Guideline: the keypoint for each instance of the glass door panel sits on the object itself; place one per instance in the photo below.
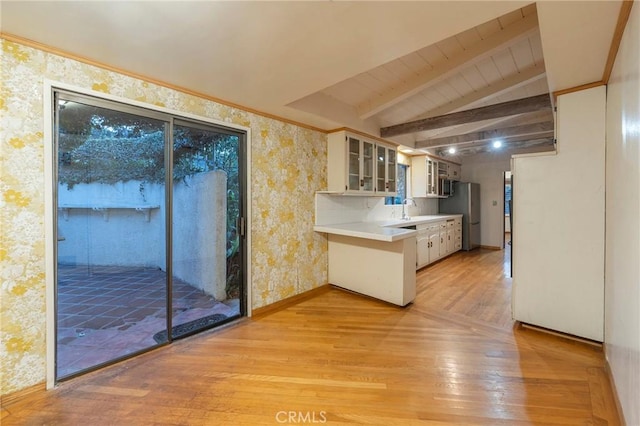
(391, 171)
(430, 177)
(111, 283)
(354, 164)
(367, 166)
(206, 236)
(381, 165)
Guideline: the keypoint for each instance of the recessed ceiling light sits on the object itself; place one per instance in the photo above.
(452, 150)
(497, 144)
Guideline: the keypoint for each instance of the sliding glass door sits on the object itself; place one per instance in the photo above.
(207, 202)
(148, 213)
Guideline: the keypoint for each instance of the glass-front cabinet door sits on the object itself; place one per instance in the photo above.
(381, 168)
(367, 166)
(386, 170)
(354, 164)
(359, 166)
(392, 171)
(431, 177)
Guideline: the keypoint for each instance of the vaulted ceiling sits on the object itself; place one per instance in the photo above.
(427, 75)
(498, 61)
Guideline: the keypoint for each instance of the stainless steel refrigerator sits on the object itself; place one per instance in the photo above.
(466, 201)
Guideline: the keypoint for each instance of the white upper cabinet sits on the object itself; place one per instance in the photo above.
(424, 176)
(361, 166)
(386, 170)
(447, 170)
(443, 170)
(454, 171)
(426, 172)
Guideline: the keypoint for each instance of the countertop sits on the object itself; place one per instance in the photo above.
(416, 220)
(387, 230)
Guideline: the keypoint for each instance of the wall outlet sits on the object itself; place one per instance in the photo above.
(495, 203)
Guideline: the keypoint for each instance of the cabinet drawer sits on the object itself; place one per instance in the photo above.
(457, 245)
(450, 224)
(458, 221)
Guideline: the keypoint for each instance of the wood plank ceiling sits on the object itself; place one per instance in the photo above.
(496, 62)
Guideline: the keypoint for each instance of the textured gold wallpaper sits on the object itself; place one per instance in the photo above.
(288, 165)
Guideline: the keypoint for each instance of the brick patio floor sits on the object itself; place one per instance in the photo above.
(108, 312)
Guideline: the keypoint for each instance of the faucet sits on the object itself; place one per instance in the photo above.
(407, 201)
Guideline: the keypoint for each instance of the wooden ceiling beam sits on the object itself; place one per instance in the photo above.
(476, 53)
(526, 130)
(519, 106)
(498, 123)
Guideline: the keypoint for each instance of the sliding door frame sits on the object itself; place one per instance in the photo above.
(243, 180)
(166, 121)
(50, 197)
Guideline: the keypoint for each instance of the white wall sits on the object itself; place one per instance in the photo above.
(127, 237)
(115, 236)
(200, 232)
(488, 169)
(332, 209)
(622, 267)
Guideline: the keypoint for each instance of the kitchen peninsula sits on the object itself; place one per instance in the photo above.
(379, 259)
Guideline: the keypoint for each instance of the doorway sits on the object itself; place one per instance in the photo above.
(507, 209)
(150, 210)
(508, 219)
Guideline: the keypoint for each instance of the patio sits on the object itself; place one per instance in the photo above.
(108, 312)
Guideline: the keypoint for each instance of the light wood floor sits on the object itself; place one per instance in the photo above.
(452, 357)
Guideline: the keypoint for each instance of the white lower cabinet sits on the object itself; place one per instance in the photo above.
(437, 239)
(457, 244)
(450, 235)
(434, 242)
(443, 239)
(450, 241)
(422, 246)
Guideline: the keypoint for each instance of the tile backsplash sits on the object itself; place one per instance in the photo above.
(332, 209)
